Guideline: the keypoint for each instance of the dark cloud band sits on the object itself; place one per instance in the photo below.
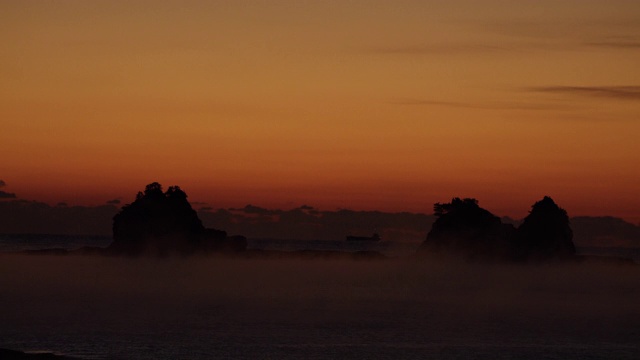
(6, 195)
(617, 92)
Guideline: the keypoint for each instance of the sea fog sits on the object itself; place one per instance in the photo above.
(213, 307)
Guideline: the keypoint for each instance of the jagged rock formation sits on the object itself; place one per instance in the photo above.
(464, 228)
(545, 233)
(162, 223)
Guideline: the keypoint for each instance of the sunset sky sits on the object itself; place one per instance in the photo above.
(388, 105)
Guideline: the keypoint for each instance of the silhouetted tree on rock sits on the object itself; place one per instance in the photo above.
(465, 228)
(162, 223)
(545, 233)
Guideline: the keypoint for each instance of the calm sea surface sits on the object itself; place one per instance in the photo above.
(15, 243)
(216, 308)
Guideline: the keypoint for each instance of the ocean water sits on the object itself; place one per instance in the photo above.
(20, 242)
(218, 308)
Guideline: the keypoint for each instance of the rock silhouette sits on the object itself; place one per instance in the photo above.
(163, 223)
(545, 233)
(464, 228)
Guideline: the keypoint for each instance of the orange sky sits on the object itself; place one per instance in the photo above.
(388, 105)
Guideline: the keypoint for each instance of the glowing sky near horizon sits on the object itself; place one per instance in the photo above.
(388, 105)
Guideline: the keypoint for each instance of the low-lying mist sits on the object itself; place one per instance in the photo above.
(247, 308)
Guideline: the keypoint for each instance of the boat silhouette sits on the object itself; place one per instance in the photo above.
(374, 237)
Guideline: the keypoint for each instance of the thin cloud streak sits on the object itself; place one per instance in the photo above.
(616, 92)
(469, 48)
(441, 49)
(486, 106)
(569, 36)
(615, 44)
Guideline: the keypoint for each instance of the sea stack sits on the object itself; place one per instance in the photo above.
(465, 229)
(161, 223)
(545, 233)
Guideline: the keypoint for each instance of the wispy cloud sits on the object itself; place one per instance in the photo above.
(529, 29)
(6, 195)
(615, 44)
(570, 35)
(616, 92)
(480, 106)
(448, 48)
(526, 36)
(620, 42)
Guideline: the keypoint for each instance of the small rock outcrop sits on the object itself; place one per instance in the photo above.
(164, 223)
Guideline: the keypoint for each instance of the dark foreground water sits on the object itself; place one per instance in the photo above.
(21, 242)
(215, 308)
